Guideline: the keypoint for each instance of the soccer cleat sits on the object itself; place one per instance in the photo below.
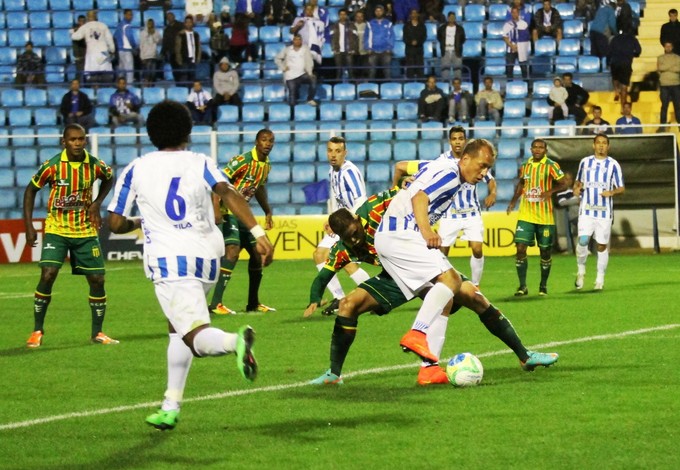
(262, 308)
(598, 286)
(101, 338)
(415, 341)
(542, 290)
(245, 360)
(539, 359)
(163, 420)
(522, 291)
(578, 283)
(328, 378)
(332, 308)
(35, 341)
(222, 310)
(432, 375)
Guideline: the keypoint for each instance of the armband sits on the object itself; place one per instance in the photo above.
(257, 231)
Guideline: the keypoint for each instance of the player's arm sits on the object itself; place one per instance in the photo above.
(519, 187)
(403, 169)
(263, 200)
(491, 197)
(578, 186)
(94, 211)
(421, 203)
(613, 192)
(316, 290)
(559, 186)
(29, 204)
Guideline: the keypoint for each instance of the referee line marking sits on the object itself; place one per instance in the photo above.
(276, 388)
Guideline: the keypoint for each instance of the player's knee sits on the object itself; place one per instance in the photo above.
(583, 240)
(348, 307)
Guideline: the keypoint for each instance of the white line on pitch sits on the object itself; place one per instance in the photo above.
(276, 388)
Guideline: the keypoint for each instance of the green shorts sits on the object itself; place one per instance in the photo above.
(385, 291)
(526, 233)
(235, 233)
(85, 253)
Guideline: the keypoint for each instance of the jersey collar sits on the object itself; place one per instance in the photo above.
(64, 157)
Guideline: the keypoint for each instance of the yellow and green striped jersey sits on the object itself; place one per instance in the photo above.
(247, 173)
(538, 178)
(70, 193)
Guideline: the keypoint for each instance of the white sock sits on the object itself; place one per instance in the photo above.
(436, 335)
(179, 362)
(333, 286)
(214, 342)
(360, 276)
(581, 257)
(433, 306)
(476, 269)
(602, 262)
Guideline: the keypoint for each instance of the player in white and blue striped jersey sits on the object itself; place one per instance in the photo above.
(348, 191)
(405, 238)
(172, 188)
(598, 180)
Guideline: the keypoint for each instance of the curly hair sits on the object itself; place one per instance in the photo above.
(169, 125)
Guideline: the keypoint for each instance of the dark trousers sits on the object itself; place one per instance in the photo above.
(293, 87)
(599, 44)
(510, 59)
(670, 94)
(414, 61)
(343, 61)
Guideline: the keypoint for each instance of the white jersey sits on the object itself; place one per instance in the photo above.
(597, 175)
(99, 46)
(348, 189)
(440, 180)
(173, 191)
(466, 201)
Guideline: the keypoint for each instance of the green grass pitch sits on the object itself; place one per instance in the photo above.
(612, 400)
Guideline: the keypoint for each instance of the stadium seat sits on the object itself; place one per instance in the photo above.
(153, 95)
(329, 129)
(356, 111)
(250, 71)
(566, 10)
(304, 152)
(8, 56)
(123, 135)
(572, 29)
(103, 135)
(505, 169)
(569, 46)
(279, 174)
(279, 113)
(282, 131)
(408, 111)
(509, 148)
(357, 150)
(390, 91)
(39, 20)
(512, 128)
(60, 4)
(8, 198)
(472, 48)
(278, 194)
(514, 109)
(252, 112)
(110, 18)
(494, 30)
(35, 97)
(227, 132)
(63, 19)
(495, 48)
(175, 93)
(516, 89)
(545, 46)
(7, 176)
(17, 20)
(474, 30)
(585, 45)
(101, 116)
(406, 130)
(384, 134)
(372, 88)
(27, 138)
(61, 37)
(404, 150)
(536, 127)
(273, 92)
(227, 151)
(429, 149)
(380, 151)
(484, 130)
(588, 64)
(124, 154)
(432, 130)
(252, 93)
(305, 112)
(56, 55)
(412, 89)
(107, 4)
(344, 92)
(55, 73)
(200, 134)
(3, 32)
(494, 66)
(45, 117)
(305, 132)
(356, 131)
(49, 135)
(542, 88)
(565, 128)
(330, 112)
(564, 64)
(20, 117)
(539, 108)
(15, 5)
(378, 175)
(474, 12)
(324, 92)
(382, 110)
(270, 34)
(26, 156)
(17, 38)
(398, 31)
(497, 12)
(253, 32)
(272, 49)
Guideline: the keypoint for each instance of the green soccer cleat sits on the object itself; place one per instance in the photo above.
(328, 378)
(245, 360)
(163, 420)
(539, 359)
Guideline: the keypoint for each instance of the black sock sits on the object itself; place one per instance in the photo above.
(226, 268)
(499, 326)
(41, 300)
(97, 308)
(254, 280)
(546, 264)
(522, 265)
(344, 331)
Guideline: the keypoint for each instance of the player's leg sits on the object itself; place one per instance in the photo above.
(448, 231)
(254, 273)
(586, 228)
(603, 231)
(474, 234)
(320, 255)
(524, 237)
(232, 245)
(545, 237)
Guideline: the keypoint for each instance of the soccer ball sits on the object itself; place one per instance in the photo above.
(464, 370)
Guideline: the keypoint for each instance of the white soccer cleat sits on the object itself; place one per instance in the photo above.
(579, 281)
(599, 286)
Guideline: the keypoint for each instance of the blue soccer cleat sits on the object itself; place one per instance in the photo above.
(539, 359)
(328, 378)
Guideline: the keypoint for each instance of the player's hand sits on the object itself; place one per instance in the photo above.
(407, 181)
(265, 249)
(94, 215)
(490, 201)
(432, 238)
(606, 193)
(31, 236)
(327, 228)
(511, 206)
(310, 309)
(268, 222)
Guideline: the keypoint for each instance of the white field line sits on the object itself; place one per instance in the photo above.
(14, 295)
(276, 388)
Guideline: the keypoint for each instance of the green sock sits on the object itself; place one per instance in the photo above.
(226, 268)
(97, 301)
(546, 264)
(499, 326)
(344, 331)
(522, 265)
(254, 280)
(41, 300)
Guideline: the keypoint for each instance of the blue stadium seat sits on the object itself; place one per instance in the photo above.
(45, 117)
(124, 154)
(8, 198)
(545, 46)
(390, 91)
(407, 111)
(55, 73)
(512, 128)
(305, 132)
(565, 127)
(474, 30)
(49, 134)
(494, 30)
(107, 4)
(566, 10)
(122, 139)
(509, 148)
(200, 134)
(227, 113)
(110, 18)
(330, 112)
(484, 130)
(494, 66)
(585, 45)
(39, 19)
(250, 70)
(103, 135)
(431, 30)
(497, 12)
(357, 150)
(572, 29)
(537, 127)
(63, 19)
(380, 151)
(227, 151)
(516, 89)
(472, 48)
(564, 64)
(505, 169)
(412, 89)
(3, 31)
(17, 20)
(101, 115)
(15, 5)
(279, 174)
(157, 15)
(227, 132)
(367, 87)
(175, 93)
(269, 34)
(8, 56)
(20, 117)
(406, 130)
(278, 194)
(356, 131)
(455, 9)
(45, 153)
(429, 149)
(305, 112)
(569, 46)
(250, 131)
(27, 139)
(356, 111)
(129, 4)
(473, 12)
(60, 4)
(344, 92)
(252, 93)
(588, 64)
(432, 130)
(542, 88)
(273, 92)
(279, 113)
(282, 132)
(514, 109)
(495, 48)
(304, 152)
(324, 92)
(386, 130)
(378, 176)
(17, 38)
(272, 49)
(61, 37)
(253, 33)
(153, 95)
(304, 173)
(329, 129)
(382, 110)
(539, 108)
(398, 30)
(26, 156)
(252, 112)
(7, 176)
(201, 148)
(404, 150)
(56, 55)
(399, 50)
(35, 97)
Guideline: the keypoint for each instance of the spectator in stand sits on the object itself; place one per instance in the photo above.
(602, 28)
(99, 48)
(354, 6)
(369, 9)
(200, 104)
(489, 102)
(623, 49)
(297, 65)
(78, 47)
(219, 39)
(30, 67)
(547, 22)
(403, 8)
(76, 107)
(517, 38)
(124, 106)
(460, 103)
(415, 36)
(279, 12)
(251, 9)
(170, 35)
(361, 57)
(668, 66)
(586, 9)
(628, 124)
(146, 4)
(311, 31)
(318, 12)
(432, 10)
(379, 42)
(149, 39)
(344, 44)
(187, 53)
(432, 102)
(240, 49)
(578, 97)
(557, 98)
(597, 125)
(199, 10)
(226, 84)
(126, 44)
(524, 13)
(670, 32)
(451, 37)
(625, 21)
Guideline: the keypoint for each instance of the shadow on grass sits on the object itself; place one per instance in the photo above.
(46, 348)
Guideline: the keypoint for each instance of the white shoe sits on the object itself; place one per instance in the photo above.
(599, 286)
(579, 281)
(312, 103)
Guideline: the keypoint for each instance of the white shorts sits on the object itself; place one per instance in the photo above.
(328, 241)
(406, 257)
(184, 303)
(599, 229)
(472, 227)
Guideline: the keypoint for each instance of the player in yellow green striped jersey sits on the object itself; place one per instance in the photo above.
(536, 223)
(73, 220)
(248, 173)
